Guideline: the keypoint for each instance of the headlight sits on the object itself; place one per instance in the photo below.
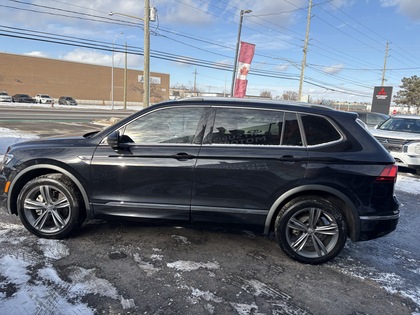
(412, 148)
(7, 156)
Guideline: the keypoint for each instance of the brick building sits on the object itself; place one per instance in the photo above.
(86, 83)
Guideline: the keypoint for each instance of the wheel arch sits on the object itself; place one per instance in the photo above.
(36, 170)
(338, 198)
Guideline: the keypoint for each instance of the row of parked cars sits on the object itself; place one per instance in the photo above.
(39, 98)
(399, 134)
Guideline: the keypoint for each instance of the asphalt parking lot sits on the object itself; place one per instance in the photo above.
(126, 267)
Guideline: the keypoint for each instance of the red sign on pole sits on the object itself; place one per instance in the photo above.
(244, 64)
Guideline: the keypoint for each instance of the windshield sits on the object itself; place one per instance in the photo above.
(401, 124)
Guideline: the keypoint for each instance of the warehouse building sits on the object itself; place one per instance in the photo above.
(87, 83)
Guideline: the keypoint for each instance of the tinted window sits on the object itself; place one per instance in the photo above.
(291, 133)
(247, 126)
(319, 130)
(169, 125)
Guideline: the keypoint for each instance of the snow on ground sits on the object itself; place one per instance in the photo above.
(9, 136)
(29, 284)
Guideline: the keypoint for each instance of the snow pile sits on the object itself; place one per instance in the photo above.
(10, 136)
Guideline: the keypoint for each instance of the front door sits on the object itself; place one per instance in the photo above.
(151, 174)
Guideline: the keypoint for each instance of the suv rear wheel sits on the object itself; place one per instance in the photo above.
(311, 230)
(48, 206)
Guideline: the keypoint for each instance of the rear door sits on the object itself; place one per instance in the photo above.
(248, 159)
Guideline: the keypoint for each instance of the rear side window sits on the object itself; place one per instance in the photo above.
(291, 131)
(319, 130)
(247, 126)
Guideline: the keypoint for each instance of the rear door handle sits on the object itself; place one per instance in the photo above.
(288, 159)
(183, 156)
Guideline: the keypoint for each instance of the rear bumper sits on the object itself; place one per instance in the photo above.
(372, 227)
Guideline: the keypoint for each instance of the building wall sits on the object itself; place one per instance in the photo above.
(35, 75)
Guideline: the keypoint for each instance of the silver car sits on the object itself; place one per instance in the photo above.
(400, 135)
(4, 97)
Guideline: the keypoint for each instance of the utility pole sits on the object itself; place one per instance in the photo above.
(235, 62)
(305, 51)
(195, 82)
(383, 71)
(146, 55)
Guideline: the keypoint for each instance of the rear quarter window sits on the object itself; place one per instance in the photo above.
(318, 130)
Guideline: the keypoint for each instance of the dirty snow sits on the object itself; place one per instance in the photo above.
(185, 265)
(31, 285)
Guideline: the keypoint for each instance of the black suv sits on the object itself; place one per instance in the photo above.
(312, 175)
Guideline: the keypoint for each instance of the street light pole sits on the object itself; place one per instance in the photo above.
(235, 63)
(112, 71)
(146, 57)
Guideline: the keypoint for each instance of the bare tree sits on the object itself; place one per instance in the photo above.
(290, 96)
(266, 94)
(155, 91)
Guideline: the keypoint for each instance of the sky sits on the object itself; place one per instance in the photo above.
(195, 40)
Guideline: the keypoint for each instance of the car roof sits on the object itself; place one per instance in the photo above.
(406, 116)
(375, 113)
(264, 103)
(250, 102)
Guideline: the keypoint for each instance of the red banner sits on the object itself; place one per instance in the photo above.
(246, 54)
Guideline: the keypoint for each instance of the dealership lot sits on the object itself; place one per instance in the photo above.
(123, 267)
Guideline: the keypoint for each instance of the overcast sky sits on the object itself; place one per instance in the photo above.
(195, 40)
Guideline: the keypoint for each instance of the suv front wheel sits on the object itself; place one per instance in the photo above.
(48, 206)
(311, 230)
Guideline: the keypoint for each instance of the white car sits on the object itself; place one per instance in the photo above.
(43, 99)
(400, 135)
(4, 97)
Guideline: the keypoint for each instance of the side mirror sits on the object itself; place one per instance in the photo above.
(113, 139)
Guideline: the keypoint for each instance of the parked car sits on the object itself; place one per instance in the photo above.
(311, 174)
(400, 135)
(372, 119)
(22, 98)
(4, 97)
(43, 99)
(67, 100)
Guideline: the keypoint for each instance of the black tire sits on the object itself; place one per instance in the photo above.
(49, 206)
(311, 230)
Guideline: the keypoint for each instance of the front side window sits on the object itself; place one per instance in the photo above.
(168, 125)
(247, 126)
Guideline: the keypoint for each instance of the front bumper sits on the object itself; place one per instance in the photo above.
(3, 195)
(406, 160)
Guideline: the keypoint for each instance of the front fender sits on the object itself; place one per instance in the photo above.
(55, 169)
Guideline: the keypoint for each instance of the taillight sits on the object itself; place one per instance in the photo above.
(388, 174)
